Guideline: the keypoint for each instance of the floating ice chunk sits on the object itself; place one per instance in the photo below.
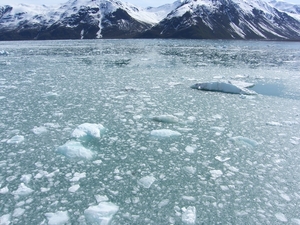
(215, 174)
(222, 87)
(189, 215)
(74, 149)
(39, 130)
(18, 212)
(146, 181)
(220, 159)
(88, 130)
(163, 203)
(78, 176)
(26, 178)
(281, 217)
(16, 139)
(190, 149)
(166, 119)
(241, 84)
(164, 133)
(101, 214)
(5, 219)
(191, 170)
(4, 190)
(243, 141)
(274, 124)
(74, 188)
(101, 198)
(58, 218)
(22, 190)
(294, 220)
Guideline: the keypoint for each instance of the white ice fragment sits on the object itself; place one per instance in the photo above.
(22, 190)
(4, 190)
(101, 214)
(243, 141)
(215, 174)
(191, 170)
(74, 149)
(241, 84)
(189, 215)
(296, 221)
(16, 139)
(74, 188)
(146, 181)
(39, 130)
(163, 203)
(164, 133)
(101, 198)
(18, 212)
(220, 159)
(189, 198)
(190, 149)
(285, 197)
(78, 176)
(222, 87)
(166, 119)
(281, 217)
(26, 178)
(5, 219)
(88, 130)
(57, 218)
(273, 123)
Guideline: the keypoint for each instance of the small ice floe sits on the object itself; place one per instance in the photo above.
(165, 119)
(101, 198)
(22, 190)
(74, 188)
(273, 123)
(4, 53)
(222, 87)
(221, 159)
(190, 170)
(88, 130)
(101, 214)
(281, 217)
(4, 190)
(146, 181)
(164, 133)
(5, 219)
(57, 218)
(189, 215)
(243, 141)
(74, 149)
(16, 139)
(215, 174)
(39, 130)
(190, 149)
(26, 178)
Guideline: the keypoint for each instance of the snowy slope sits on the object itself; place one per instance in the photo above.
(292, 9)
(230, 19)
(238, 19)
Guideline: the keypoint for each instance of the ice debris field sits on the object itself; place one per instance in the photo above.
(149, 132)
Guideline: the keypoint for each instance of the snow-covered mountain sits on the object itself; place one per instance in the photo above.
(291, 9)
(230, 19)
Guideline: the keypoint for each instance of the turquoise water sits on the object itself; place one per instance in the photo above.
(236, 160)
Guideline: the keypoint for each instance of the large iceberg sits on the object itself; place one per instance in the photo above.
(101, 214)
(74, 149)
(88, 130)
(223, 87)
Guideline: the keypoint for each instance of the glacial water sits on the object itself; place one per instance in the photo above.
(110, 132)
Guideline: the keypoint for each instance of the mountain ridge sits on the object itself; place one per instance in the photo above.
(208, 19)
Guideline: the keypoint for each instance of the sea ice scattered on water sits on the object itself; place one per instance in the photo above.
(74, 149)
(57, 218)
(101, 213)
(146, 181)
(164, 133)
(189, 215)
(16, 139)
(88, 130)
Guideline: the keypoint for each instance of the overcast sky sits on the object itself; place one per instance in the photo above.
(141, 3)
